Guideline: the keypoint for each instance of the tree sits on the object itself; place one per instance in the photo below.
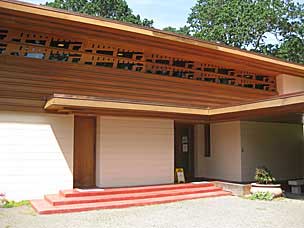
(248, 23)
(292, 50)
(292, 46)
(182, 30)
(113, 9)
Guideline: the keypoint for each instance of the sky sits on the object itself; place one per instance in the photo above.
(163, 12)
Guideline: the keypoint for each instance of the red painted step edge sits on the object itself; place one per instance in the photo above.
(56, 200)
(43, 207)
(75, 193)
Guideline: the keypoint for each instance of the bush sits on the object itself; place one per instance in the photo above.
(263, 176)
(262, 196)
(10, 204)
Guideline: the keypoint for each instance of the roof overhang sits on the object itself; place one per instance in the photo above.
(241, 55)
(66, 103)
(83, 104)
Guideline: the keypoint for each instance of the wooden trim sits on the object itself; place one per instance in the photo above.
(276, 112)
(61, 101)
(277, 102)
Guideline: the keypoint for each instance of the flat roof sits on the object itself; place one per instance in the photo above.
(70, 103)
(38, 10)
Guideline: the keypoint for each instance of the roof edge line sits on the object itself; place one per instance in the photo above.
(54, 13)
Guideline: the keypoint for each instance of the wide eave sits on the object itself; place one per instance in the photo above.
(223, 53)
(277, 105)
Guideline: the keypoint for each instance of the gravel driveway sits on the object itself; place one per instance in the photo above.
(232, 212)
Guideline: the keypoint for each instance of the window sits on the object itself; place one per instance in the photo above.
(35, 55)
(207, 141)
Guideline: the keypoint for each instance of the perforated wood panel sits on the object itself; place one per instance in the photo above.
(110, 55)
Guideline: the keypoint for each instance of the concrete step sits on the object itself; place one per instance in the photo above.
(44, 207)
(77, 193)
(58, 199)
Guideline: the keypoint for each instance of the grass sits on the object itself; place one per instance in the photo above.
(267, 196)
(10, 204)
(262, 197)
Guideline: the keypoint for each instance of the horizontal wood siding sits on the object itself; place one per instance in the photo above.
(134, 151)
(27, 83)
(36, 154)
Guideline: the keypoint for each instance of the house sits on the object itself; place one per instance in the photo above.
(88, 102)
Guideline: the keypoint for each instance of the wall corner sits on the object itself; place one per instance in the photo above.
(289, 84)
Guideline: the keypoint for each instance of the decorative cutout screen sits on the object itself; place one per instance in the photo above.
(106, 54)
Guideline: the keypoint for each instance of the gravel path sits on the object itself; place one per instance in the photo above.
(222, 212)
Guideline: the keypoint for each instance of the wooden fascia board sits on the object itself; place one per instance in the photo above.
(61, 103)
(43, 11)
(58, 103)
(279, 102)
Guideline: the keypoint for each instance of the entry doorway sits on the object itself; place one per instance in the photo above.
(184, 149)
(84, 152)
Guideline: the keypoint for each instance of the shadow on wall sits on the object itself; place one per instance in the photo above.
(277, 146)
(66, 147)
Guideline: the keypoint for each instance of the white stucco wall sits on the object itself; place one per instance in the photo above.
(289, 84)
(36, 154)
(225, 160)
(134, 151)
(278, 146)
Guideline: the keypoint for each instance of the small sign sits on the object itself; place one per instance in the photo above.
(184, 139)
(180, 175)
(185, 148)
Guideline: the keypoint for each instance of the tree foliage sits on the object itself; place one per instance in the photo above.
(292, 47)
(113, 9)
(248, 23)
(182, 30)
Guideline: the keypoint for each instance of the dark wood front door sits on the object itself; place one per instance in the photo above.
(184, 149)
(84, 151)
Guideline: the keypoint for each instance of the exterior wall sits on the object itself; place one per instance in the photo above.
(200, 169)
(225, 160)
(289, 84)
(134, 151)
(36, 154)
(277, 146)
(302, 149)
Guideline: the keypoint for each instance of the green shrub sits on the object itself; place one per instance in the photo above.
(268, 196)
(12, 203)
(263, 176)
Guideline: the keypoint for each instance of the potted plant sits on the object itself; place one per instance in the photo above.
(265, 182)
